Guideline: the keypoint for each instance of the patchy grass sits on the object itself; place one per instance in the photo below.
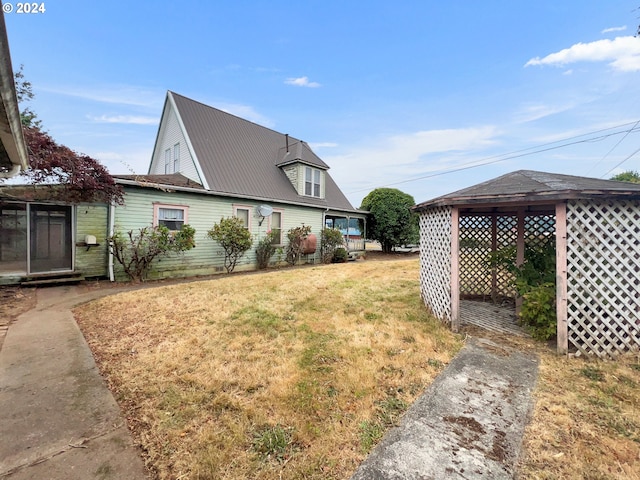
(288, 374)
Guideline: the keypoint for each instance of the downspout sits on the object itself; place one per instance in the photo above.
(112, 213)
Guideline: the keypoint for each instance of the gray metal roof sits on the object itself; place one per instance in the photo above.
(169, 179)
(239, 157)
(529, 186)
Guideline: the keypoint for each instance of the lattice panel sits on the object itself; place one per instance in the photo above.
(476, 276)
(603, 278)
(435, 261)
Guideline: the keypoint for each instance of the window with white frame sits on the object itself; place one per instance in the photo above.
(176, 158)
(312, 178)
(242, 213)
(171, 216)
(167, 160)
(276, 227)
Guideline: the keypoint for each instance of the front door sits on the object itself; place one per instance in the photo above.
(51, 240)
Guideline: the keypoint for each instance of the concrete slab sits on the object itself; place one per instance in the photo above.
(59, 420)
(467, 425)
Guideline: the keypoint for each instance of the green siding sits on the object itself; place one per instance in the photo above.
(205, 210)
(91, 219)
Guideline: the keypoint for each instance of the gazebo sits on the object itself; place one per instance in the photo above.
(596, 226)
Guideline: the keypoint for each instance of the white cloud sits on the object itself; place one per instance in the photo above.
(126, 119)
(406, 156)
(114, 94)
(622, 53)
(614, 29)
(533, 112)
(322, 145)
(301, 82)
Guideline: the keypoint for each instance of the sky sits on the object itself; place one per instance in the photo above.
(424, 96)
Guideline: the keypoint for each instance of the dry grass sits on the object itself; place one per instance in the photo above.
(286, 374)
(586, 420)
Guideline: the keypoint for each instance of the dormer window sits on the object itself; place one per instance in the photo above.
(312, 182)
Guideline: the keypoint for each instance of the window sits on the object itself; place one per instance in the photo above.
(167, 160)
(171, 216)
(176, 158)
(312, 182)
(242, 213)
(276, 227)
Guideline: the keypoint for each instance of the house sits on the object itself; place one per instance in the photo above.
(206, 164)
(597, 251)
(13, 151)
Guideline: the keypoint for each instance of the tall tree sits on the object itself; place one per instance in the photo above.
(71, 176)
(390, 220)
(628, 176)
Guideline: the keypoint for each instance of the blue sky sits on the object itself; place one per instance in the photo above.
(397, 94)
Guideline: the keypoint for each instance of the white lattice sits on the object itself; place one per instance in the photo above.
(603, 277)
(435, 261)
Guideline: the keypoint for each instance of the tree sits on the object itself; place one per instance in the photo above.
(77, 177)
(390, 220)
(137, 251)
(234, 238)
(628, 176)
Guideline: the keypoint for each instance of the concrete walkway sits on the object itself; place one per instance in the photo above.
(467, 425)
(58, 420)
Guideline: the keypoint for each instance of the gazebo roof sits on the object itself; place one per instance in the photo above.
(532, 187)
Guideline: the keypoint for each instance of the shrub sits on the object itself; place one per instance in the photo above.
(234, 238)
(265, 250)
(340, 255)
(330, 239)
(137, 251)
(296, 235)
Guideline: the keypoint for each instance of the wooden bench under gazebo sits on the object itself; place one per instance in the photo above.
(596, 227)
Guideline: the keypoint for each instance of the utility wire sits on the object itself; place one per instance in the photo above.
(612, 149)
(525, 152)
(620, 163)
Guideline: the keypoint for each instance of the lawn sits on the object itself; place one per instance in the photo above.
(297, 373)
(286, 374)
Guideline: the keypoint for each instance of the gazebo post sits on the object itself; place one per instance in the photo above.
(455, 267)
(519, 252)
(561, 278)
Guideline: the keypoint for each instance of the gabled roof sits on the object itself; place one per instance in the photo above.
(239, 157)
(529, 186)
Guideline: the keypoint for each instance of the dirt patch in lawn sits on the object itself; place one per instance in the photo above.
(14, 301)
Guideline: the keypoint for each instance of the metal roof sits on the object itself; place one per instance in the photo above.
(166, 180)
(239, 157)
(529, 186)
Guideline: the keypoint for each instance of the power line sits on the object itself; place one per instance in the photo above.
(616, 166)
(612, 149)
(525, 152)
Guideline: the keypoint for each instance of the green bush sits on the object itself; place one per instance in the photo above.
(340, 255)
(265, 250)
(137, 251)
(330, 239)
(233, 237)
(296, 235)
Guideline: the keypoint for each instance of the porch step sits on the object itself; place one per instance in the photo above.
(51, 279)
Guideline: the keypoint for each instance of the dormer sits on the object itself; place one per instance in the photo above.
(303, 168)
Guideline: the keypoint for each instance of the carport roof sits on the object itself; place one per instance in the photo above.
(532, 187)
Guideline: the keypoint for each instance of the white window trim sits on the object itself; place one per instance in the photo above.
(176, 158)
(249, 209)
(281, 212)
(158, 206)
(167, 161)
(304, 182)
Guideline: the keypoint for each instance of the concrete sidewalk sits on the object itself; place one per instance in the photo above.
(467, 425)
(58, 419)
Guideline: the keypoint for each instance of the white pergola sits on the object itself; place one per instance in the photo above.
(596, 224)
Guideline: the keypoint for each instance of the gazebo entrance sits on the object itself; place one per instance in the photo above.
(594, 225)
